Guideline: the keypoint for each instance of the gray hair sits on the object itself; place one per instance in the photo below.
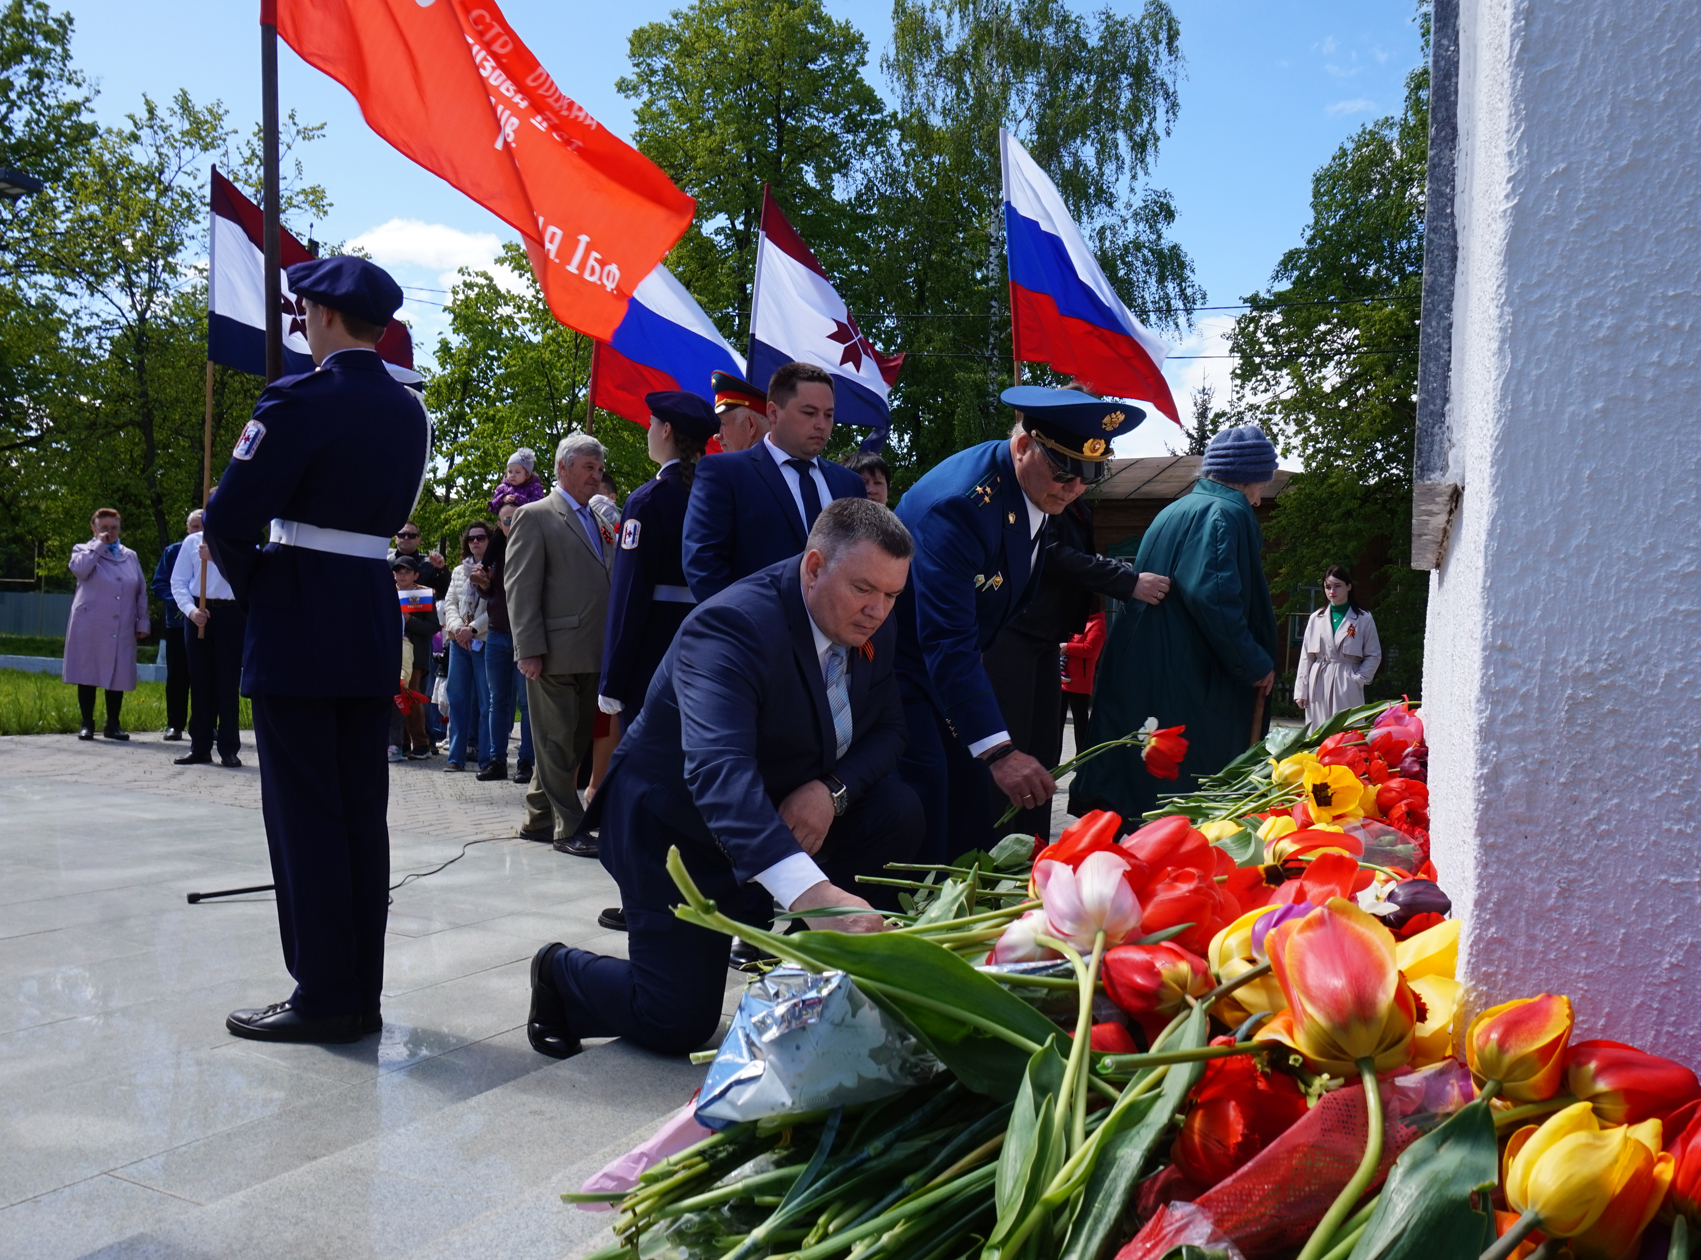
(576, 444)
(844, 523)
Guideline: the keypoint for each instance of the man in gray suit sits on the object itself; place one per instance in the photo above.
(556, 576)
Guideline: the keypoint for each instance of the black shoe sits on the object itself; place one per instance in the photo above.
(86, 732)
(522, 772)
(230, 761)
(543, 835)
(579, 844)
(173, 735)
(747, 957)
(282, 1022)
(194, 759)
(112, 732)
(546, 1021)
(614, 919)
(494, 771)
(371, 1022)
(453, 767)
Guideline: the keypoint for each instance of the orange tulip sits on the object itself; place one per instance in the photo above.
(1346, 997)
(1153, 982)
(1625, 1084)
(1521, 1044)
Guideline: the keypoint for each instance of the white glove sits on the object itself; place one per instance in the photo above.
(610, 707)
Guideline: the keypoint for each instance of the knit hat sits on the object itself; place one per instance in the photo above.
(1241, 456)
(525, 457)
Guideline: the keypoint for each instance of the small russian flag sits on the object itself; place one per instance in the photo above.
(417, 600)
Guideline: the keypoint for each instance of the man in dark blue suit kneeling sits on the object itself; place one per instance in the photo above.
(770, 761)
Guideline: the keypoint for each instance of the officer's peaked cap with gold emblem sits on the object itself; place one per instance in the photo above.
(732, 392)
(1072, 423)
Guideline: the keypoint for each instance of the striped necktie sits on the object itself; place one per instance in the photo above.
(838, 698)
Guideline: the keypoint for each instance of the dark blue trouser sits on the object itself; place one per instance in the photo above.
(667, 994)
(215, 678)
(324, 789)
(955, 788)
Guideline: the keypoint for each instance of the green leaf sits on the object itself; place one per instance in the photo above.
(1158, 938)
(1191, 1251)
(1124, 1154)
(1027, 1162)
(1425, 1208)
(1011, 852)
(1244, 847)
(948, 904)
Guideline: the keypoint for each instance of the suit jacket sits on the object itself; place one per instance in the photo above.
(161, 585)
(1073, 573)
(641, 627)
(557, 586)
(972, 575)
(737, 718)
(320, 623)
(742, 516)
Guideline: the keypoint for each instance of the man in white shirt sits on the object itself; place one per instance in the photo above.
(766, 752)
(214, 637)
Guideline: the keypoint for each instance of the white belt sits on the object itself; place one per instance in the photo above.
(675, 595)
(337, 541)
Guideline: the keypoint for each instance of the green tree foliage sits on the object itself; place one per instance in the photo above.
(1091, 99)
(735, 94)
(509, 375)
(1328, 364)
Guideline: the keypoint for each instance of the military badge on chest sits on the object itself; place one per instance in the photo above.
(984, 584)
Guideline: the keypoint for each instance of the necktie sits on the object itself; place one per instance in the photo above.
(806, 487)
(838, 698)
(590, 523)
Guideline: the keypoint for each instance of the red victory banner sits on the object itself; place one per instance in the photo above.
(449, 84)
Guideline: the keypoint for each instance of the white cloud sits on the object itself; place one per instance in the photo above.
(1358, 105)
(1328, 46)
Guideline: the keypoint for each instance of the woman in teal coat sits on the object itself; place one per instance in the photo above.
(1201, 657)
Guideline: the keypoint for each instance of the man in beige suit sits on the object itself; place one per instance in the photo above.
(555, 576)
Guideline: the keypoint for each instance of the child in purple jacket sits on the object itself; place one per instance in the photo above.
(520, 485)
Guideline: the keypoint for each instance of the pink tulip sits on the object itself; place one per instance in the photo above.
(1019, 943)
(1086, 900)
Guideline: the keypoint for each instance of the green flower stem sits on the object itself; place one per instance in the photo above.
(1079, 1052)
(955, 1012)
(1508, 1242)
(1229, 986)
(743, 1188)
(1008, 912)
(1079, 760)
(1018, 981)
(975, 1180)
(1133, 1062)
(1330, 1225)
(1504, 1118)
(1350, 1230)
(1679, 1239)
(976, 937)
(1489, 1091)
(1344, 1248)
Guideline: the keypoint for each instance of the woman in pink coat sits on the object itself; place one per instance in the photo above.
(108, 615)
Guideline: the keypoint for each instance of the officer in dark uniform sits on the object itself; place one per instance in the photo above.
(648, 597)
(979, 524)
(322, 701)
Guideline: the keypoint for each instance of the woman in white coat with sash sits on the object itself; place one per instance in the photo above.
(1340, 655)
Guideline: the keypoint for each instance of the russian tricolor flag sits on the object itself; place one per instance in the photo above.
(1063, 310)
(236, 292)
(665, 341)
(797, 315)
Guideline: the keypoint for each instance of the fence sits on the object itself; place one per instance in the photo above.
(34, 612)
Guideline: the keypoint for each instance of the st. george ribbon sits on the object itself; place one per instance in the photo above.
(449, 84)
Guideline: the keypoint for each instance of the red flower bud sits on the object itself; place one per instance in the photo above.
(1238, 1111)
(1683, 1144)
(1153, 982)
(1627, 1085)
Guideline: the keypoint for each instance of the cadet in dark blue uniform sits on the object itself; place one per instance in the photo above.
(648, 597)
(323, 644)
(978, 520)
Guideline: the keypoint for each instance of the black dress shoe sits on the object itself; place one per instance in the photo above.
(112, 732)
(86, 732)
(494, 771)
(614, 919)
(546, 1021)
(579, 844)
(522, 772)
(173, 735)
(282, 1022)
(747, 957)
(231, 762)
(543, 835)
(194, 759)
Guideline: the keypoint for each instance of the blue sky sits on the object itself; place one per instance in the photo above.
(1272, 87)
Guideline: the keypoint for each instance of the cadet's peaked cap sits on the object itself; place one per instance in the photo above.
(732, 392)
(348, 284)
(689, 413)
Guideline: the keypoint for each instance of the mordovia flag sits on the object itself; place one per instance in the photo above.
(664, 342)
(236, 292)
(796, 314)
(449, 84)
(1063, 310)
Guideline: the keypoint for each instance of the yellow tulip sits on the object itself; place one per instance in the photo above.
(1231, 955)
(1221, 829)
(1440, 997)
(1597, 1186)
(1432, 952)
(1275, 828)
(1290, 772)
(1331, 792)
(1367, 801)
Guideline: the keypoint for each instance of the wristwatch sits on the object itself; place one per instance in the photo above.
(841, 794)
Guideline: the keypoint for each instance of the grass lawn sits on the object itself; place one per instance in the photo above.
(31, 645)
(40, 704)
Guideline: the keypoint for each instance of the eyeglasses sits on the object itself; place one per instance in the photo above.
(414, 535)
(1063, 473)
(472, 538)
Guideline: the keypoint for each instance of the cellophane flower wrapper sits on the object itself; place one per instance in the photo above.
(802, 1042)
(1271, 1205)
(680, 1130)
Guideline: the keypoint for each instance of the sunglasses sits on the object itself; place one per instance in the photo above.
(407, 535)
(478, 537)
(1063, 473)
(504, 520)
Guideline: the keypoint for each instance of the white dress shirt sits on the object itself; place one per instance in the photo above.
(790, 877)
(186, 577)
(1036, 518)
(790, 475)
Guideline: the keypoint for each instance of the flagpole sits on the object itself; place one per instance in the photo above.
(591, 386)
(756, 286)
(206, 485)
(269, 160)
